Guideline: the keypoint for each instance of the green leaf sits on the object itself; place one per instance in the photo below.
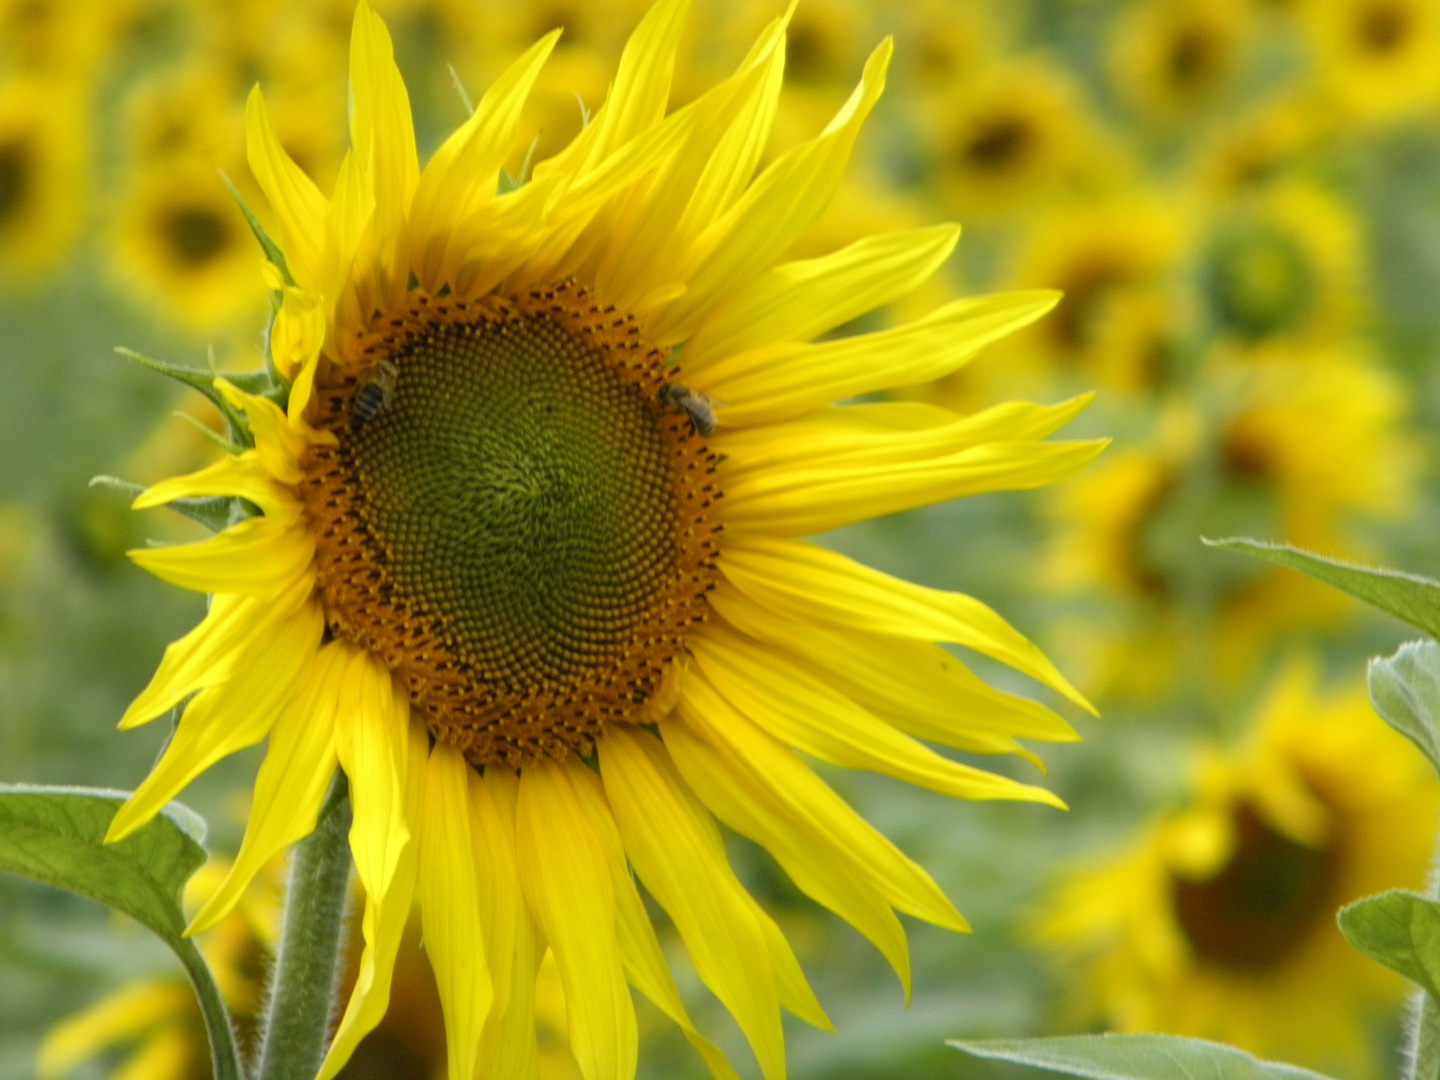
(57, 836)
(1408, 597)
(1133, 1057)
(1405, 690)
(215, 512)
(1401, 930)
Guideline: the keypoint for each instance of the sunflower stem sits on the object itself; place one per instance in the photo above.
(1421, 1052)
(308, 961)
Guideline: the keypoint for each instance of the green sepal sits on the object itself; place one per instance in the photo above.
(260, 383)
(1133, 1057)
(203, 382)
(56, 836)
(1405, 691)
(214, 512)
(1410, 598)
(1399, 929)
(271, 249)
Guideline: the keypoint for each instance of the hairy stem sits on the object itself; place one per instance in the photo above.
(308, 961)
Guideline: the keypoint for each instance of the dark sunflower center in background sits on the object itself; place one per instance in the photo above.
(196, 234)
(15, 179)
(514, 520)
(1264, 903)
(1382, 28)
(999, 144)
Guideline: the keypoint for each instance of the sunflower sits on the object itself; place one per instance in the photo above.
(44, 171)
(1218, 921)
(179, 242)
(1174, 58)
(1376, 59)
(1299, 444)
(1260, 145)
(1286, 260)
(526, 563)
(156, 1026)
(1116, 260)
(1009, 137)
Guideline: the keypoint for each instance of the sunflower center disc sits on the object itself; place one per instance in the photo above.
(1263, 904)
(523, 506)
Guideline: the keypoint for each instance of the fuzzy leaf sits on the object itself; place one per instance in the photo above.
(1133, 1057)
(1405, 691)
(56, 836)
(1410, 598)
(1401, 930)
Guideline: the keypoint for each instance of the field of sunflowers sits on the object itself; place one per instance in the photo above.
(1240, 203)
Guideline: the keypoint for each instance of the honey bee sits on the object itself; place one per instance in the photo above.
(695, 404)
(377, 385)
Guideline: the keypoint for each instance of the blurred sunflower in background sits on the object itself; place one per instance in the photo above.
(1218, 920)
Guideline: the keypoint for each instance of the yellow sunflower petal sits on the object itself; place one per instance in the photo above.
(235, 474)
(351, 208)
(381, 130)
(804, 582)
(677, 850)
(824, 871)
(644, 960)
(463, 172)
(166, 1055)
(891, 432)
(815, 718)
(276, 441)
(290, 786)
(258, 557)
(507, 1046)
(561, 858)
(800, 300)
(386, 912)
(373, 743)
(229, 717)
(724, 144)
(299, 207)
(209, 654)
(777, 382)
(788, 501)
(917, 686)
(768, 770)
(119, 1017)
(774, 210)
(642, 80)
(450, 908)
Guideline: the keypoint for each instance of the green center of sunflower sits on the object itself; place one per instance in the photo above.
(521, 490)
(1258, 279)
(513, 517)
(1263, 904)
(196, 234)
